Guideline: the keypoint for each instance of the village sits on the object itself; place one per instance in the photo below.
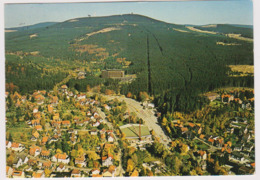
(71, 134)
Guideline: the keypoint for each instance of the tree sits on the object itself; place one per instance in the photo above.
(74, 153)
(129, 95)
(47, 172)
(130, 165)
(10, 138)
(164, 121)
(71, 162)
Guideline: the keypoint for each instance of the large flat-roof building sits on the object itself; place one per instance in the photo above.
(113, 73)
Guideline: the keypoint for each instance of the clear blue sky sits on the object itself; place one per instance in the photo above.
(198, 12)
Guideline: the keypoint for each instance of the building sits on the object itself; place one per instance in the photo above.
(113, 73)
(61, 158)
(18, 174)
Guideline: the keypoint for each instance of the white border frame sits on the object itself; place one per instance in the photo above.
(256, 4)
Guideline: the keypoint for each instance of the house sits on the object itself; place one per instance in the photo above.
(219, 142)
(56, 124)
(55, 100)
(110, 138)
(38, 127)
(96, 124)
(75, 173)
(50, 108)
(107, 160)
(64, 158)
(39, 99)
(81, 96)
(106, 173)
(246, 138)
(135, 173)
(35, 151)
(9, 171)
(32, 162)
(211, 141)
(18, 174)
(89, 113)
(61, 167)
(17, 147)
(79, 123)
(238, 147)
(212, 96)
(64, 88)
(6, 94)
(45, 140)
(95, 172)
(236, 156)
(107, 107)
(65, 123)
(54, 138)
(47, 164)
(70, 93)
(110, 172)
(35, 110)
(203, 165)
(202, 154)
(226, 98)
(248, 147)
(93, 132)
(102, 131)
(184, 130)
(73, 139)
(72, 131)
(81, 161)
(197, 129)
(38, 174)
(245, 170)
(35, 122)
(8, 144)
(20, 160)
(45, 154)
(202, 136)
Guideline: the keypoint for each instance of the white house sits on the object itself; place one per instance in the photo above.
(107, 161)
(21, 161)
(8, 144)
(110, 138)
(61, 168)
(17, 147)
(64, 158)
(18, 174)
(95, 171)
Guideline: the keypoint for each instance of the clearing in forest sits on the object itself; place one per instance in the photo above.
(201, 31)
(180, 30)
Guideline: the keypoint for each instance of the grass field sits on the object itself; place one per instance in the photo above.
(201, 145)
(242, 68)
(132, 130)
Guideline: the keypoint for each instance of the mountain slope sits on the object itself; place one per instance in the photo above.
(171, 62)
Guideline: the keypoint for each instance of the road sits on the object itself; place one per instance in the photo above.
(146, 114)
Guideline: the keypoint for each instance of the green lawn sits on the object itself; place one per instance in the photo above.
(133, 130)
(201, 145)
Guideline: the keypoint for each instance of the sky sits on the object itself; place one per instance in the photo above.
(187, 12)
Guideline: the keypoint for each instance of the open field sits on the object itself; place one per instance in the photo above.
(245, 69)
(132, 130)
(200, 31)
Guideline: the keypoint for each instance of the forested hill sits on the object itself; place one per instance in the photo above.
(35, 26)
(245, 31)
(171, 62)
